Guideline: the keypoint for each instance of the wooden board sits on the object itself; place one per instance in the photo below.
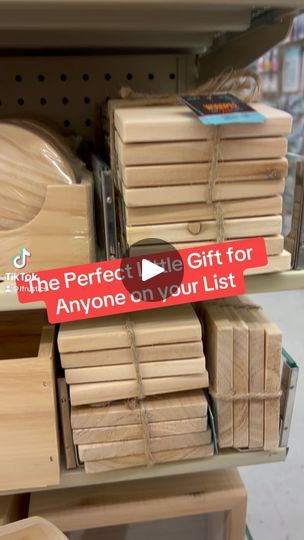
(65, 420)
(178, 213)
(153, 327)
(219, 361)
(155, 353)
(136, 447)
(84, 394)
(199, 151)
(274, 246)
(177, 406)
(175, 123)
(276, 263)
(165, 456)
(171, 368)
(133, 432)
(198, 193)
(207, 230)
(198, 173)
(33, 528)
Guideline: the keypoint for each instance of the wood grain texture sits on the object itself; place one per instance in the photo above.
(201, 211)
(153, 327)
(165, 456)
(85, 394)
(182, 405)
(29, 450)
(178, 123)
(124, 448)
(65, 421)
(172, 368)
(198, 173)
(61, 234)
(207, 230)
(154, 353)
(135, 431)
(198, 193)
(199, 151)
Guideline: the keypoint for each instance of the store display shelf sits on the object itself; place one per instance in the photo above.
(284, 281)
(223, 460)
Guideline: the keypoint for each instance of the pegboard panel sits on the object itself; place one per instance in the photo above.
(66, 90)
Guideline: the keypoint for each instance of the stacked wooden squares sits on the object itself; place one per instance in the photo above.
(243, 355)
(129, 357)
(187, 183)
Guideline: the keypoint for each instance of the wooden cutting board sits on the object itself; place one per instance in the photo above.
(171, 368)
(97, 436)
(85, 394)
(174, 123)
(199, 151)
(95, 452)
(207, 230)
(177, 406)
(165, 456)
(178, 213)
(115, 357)
(152, 327)
(29, 162)
(164, 195)
(198, 173)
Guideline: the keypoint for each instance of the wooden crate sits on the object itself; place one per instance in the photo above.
(28, 419)
(62, 234)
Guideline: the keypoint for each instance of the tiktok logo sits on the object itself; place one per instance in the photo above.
(20, 260)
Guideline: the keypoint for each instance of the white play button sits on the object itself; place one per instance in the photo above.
(150, 270)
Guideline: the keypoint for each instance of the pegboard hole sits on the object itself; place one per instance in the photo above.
(151, 76)
(20, 101)
(63, 77)
(88, 122)
(18, 78)
(108, 76)
(41, 77)
(87, 99)
(66, 123)
(85, 77)
(172, 76)
(129, 76)
(43, 101)
(65, 100)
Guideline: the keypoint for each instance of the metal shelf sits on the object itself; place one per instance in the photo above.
(224, 460)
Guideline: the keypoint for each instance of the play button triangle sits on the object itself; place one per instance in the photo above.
(150, 270)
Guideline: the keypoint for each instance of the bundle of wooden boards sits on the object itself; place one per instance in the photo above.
(295, 239)
(173, 189)
(243, 356)
(110, 359)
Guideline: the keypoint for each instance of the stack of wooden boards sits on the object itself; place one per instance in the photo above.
(119, 358)
(173, 188)
(243, 356)
(295, 239)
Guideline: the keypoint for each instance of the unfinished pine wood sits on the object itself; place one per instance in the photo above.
(28, 420)
(207, 230)
(51, 234)
(219, 361)
(164, 195)
(276, 263)
(201, 211)
(172, 368)
(153, 327)
(165, 456)
(199, 151)
(103, 357)
(273, 355)
(84, 394)
(128, 448)
(198, 173)
(274, 246)
(33, 528)
(29, 162)
(65, 420)
(179, 123)
(135, 431)
(146, 500)
(182, 405)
